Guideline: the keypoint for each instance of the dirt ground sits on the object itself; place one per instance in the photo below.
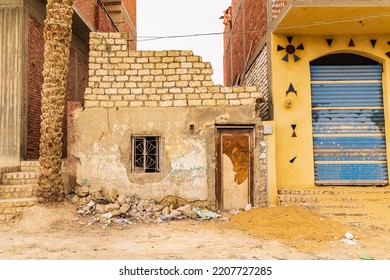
(292, 233)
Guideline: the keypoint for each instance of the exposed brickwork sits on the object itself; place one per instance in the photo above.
(129, 16)
(87, 8)
(277, 6)
(122, 78)
(243, 36)
(35, 81)
(77, 79)
(258, 75)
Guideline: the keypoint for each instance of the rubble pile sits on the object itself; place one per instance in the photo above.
(111, 207)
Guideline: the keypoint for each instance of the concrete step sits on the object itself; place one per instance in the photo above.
(6, 169)
(351, 203)
(33, 166)
(20, 178)
(18, 191)
(9, 208)
(29, 166)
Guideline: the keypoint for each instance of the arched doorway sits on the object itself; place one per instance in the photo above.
(348, 121)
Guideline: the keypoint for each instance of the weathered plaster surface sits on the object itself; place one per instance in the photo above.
(103, 147)
(168, 94)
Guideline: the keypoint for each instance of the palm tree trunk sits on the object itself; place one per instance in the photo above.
(57, 36)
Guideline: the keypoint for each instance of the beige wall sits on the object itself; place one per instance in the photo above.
(158, 93)
(12, 83)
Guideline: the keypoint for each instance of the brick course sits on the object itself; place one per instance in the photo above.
(137, 78)
(243, 36)
(77, 79)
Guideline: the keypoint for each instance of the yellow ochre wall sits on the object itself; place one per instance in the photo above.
(300, 173)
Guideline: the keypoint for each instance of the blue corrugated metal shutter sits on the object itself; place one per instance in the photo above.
(348, 125)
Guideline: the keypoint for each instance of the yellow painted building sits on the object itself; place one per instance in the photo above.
(328, 75)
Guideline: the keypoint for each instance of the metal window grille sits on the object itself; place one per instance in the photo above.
(146, 154)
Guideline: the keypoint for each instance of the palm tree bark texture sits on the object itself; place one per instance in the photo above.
(57, 37)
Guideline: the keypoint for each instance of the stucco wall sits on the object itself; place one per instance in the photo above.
(300, 173)
(158, 93)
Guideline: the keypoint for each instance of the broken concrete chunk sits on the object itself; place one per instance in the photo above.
(107, 215)
(100, 209)
(95, 189)
(157, 214)
(112, 207)
(96, 195)
(124, 208)
(140, 206)
(165, 211)
(175, 213)
(75, 199)
(111, 194)
(157, 207)
(116, 212)
(121, 200)
(187, 211)
(82, 191)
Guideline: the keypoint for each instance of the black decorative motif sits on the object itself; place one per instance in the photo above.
(290, 49)
(291, 89)
(373, 42)
(329, 41)
(351, 43)
(294, 126)
(293, 159)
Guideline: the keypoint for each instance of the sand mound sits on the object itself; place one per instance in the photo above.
(41, 218)
(294, 226)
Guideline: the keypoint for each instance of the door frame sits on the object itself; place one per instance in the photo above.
(218, 156)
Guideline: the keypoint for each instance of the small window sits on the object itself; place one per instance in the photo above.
(146, 154)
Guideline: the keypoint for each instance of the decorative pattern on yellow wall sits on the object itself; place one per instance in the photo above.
(294, 126)
(291, 89)
(293, 159)
(290, 49)
(329, 41)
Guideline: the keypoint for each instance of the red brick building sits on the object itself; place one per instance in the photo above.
(246, 24)
(23, 23)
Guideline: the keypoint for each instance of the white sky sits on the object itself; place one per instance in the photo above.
(183, 17)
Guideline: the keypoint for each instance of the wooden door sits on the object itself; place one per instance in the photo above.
(234, 168)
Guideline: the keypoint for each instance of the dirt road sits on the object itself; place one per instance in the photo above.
(58, 233)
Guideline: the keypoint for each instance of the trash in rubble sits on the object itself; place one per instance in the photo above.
(349, 235)
(248, 207)
(349, 239)
(234, 211)
(91, 204)
(365, 257)
(205, 214)
(122, 220)
(107, 215)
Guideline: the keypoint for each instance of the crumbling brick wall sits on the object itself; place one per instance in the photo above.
(165, 93)
(122, 78)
